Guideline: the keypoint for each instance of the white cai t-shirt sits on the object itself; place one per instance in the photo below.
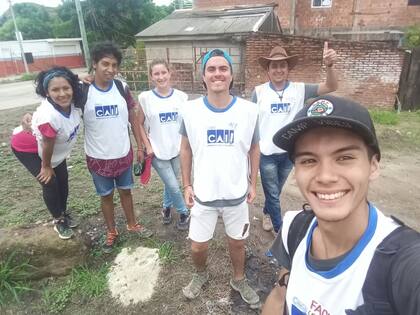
(277, 109)
(163, 119)
(106, 123)
(334, 291)
(66, 126)
(220, 140)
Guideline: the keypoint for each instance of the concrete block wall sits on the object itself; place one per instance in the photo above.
(368, 71)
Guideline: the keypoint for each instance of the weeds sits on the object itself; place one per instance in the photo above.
(85, 282)
(384, 117)
(167, 252)
(13, 279)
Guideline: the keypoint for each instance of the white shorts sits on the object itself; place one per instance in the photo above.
(203, 221)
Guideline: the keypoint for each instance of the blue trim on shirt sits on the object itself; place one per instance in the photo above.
(160, 96)
(274, 89)
(216, 109)
(107, 90)
(59, 109)
(354, 253)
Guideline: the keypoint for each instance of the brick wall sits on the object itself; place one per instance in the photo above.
(349, 15)
(211, 4)
(8, 67)
(368, 71)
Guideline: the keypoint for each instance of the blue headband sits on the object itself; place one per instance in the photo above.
(53, 74)
(214, 53)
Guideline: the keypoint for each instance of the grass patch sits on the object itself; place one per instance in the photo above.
(84, 282)
(383, 117)
(28, 76)
(13, 279)
(166, 250)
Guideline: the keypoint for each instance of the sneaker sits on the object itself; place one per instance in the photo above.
(140, 230)
(267, 225)
(166, 215)
(71, 222)
(247, 293)
(193, 289)
(183, 222)
(111, 240)
(63, 230)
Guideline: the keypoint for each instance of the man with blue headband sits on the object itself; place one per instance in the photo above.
(220, 138)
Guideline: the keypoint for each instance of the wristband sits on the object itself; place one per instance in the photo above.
(186, 186)
(283, 281)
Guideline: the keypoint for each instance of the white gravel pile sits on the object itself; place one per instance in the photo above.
(134, 275)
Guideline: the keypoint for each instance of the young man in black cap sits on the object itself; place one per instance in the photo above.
(278, 101)
(334, 266)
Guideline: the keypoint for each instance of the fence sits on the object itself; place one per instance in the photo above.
(186, 75)
(409, 89)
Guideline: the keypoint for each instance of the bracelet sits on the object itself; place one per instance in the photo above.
(186, 186)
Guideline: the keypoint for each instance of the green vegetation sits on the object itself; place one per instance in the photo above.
(13, 279)
(167, 252)
(85, 282)
(412, 36)
(384, 117)
(28, 76)
(104, 20)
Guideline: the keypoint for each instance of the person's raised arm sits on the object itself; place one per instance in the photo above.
(331, 82)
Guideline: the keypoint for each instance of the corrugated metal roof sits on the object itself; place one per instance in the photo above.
(215, 22)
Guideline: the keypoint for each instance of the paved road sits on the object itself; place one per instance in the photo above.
(17, 94)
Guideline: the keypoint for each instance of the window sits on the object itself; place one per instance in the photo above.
(324, 3)
(413, 2)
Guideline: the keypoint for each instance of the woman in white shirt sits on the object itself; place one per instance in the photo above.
(161, 107)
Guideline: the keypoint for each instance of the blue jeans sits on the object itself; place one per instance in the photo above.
(274, 170)
(168, 171)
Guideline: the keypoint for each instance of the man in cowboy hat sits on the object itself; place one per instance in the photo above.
(279, 100)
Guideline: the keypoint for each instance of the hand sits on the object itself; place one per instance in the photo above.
(189, 196)
(251, 194)
(149, 151)
(88, 78)
(46, 174)
(27, 122)
(329, 56)
(140, 155)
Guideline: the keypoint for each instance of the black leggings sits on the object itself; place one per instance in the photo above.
(55, 193)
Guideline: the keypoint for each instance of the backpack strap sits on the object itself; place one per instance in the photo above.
(298, 229)
(85, 90)
(120, 88)
(378, 287)
(83, 99)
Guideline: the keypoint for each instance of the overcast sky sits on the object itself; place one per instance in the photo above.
(4, 4)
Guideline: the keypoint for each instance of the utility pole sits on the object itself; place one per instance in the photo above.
(18, 37)
(83, 33)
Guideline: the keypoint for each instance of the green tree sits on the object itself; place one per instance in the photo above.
(33, 21)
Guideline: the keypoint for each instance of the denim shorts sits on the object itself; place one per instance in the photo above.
(105, 185)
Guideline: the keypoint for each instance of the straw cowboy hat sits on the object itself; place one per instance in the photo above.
(278, 53)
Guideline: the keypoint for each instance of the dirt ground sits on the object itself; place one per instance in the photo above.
(396, 192)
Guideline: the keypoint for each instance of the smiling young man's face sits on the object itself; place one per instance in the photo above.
(217, 75)
(106, 69)
(333, 171)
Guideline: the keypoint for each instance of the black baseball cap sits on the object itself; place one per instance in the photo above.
(328, 111)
